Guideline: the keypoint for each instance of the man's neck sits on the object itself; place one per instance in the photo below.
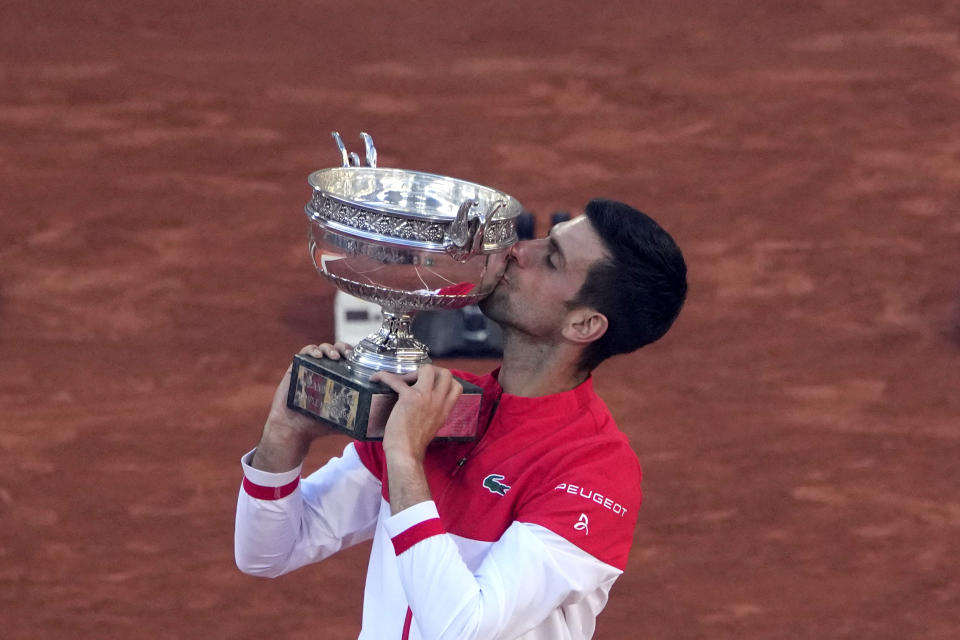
(532, 369)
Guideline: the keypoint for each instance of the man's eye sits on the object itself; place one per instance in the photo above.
(549, 260)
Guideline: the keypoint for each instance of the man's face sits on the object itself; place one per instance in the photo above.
(542, 275)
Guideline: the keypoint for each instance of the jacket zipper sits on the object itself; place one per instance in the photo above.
(476, 447)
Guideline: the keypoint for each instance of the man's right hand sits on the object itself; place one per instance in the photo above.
(287, 434)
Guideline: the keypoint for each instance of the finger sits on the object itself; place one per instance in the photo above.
(426, 375)
(410, 377)
(342, 348)
(330, 351)
(317, 350)
(326, 350)
(392, 380)
(450, 401)
(443, 380)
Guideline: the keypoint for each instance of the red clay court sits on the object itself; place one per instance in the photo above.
(799, 428)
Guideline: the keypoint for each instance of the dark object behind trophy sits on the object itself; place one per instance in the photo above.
(407, 241)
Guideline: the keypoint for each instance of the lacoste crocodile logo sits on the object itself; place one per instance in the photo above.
(493, 484)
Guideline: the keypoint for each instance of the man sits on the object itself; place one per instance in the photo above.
(521, 533)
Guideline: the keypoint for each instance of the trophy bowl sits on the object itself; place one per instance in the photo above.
(407, 241)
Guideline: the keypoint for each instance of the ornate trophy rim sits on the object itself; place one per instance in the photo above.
(447, 214)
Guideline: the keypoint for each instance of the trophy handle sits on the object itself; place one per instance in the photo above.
(345, 157)
(370, 149)
(348, 159)
(482, 227)
(459, 232)
(465, 237)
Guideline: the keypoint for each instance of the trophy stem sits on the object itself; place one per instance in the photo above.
(392, 348)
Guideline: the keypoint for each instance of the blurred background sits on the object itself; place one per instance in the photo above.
(799, 427)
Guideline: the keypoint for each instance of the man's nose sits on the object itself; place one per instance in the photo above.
(526, 252)
(519, 251)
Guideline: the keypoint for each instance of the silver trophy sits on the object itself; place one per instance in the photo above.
(408, 241)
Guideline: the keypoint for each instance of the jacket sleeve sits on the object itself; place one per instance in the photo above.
(527, 574)
(284, 523)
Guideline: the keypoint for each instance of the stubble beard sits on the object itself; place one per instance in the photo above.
(502, 306)
(493, 307)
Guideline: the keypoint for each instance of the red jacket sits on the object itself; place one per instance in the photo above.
(528, 528)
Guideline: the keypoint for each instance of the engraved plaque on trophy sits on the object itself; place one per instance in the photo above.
(408, 241)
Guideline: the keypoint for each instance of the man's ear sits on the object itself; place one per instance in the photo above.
(584, 325)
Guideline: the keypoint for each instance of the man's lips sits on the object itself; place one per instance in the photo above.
(506, 272)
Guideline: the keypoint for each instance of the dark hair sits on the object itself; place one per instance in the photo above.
(640, 288)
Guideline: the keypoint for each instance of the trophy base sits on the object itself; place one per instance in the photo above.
(329, 391)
